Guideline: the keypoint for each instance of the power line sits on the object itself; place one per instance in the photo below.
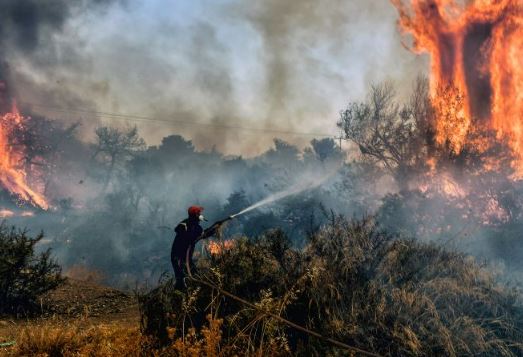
(131, 117)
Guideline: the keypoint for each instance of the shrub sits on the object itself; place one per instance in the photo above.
(351, 283)
(24, 274)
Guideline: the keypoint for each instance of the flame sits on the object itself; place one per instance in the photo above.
(13, 176)
(476, 50)
(442, 183)
(216, 248)
(494, 212)
(5, 213)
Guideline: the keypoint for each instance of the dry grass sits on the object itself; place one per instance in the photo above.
(77, 339)
(80, 338)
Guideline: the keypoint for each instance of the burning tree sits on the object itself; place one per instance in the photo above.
(14, 175)
(455, 147)
(446, 189)
(475, 46)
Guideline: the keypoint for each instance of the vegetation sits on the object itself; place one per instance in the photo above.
(24, 274)
(443, 192)
(136, 192)
(351, 283)
(78, 339)
(81, 338)
(399, 137)
(348, 281)
(149, 192)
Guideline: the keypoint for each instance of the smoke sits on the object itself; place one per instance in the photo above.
(33, 51)
(152, 188)
(313, 56)
(213, 69)
(23, 25)
(27, 24)
(116, 230)
(209, 67)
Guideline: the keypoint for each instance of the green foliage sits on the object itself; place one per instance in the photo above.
(351, 283)
(24, 275)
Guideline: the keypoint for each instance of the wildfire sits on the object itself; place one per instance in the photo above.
(13, 176)
(476, 50)
(216, 248)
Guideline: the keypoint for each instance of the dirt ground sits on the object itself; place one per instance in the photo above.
(78, 302)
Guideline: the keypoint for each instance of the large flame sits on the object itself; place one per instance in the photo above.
(13, 176)
(476, 49)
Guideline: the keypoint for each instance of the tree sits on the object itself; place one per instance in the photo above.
(424, 133)
(24, 275)
(326, 150)
(177, 146)
(236, 202)
(393, 136)
(283, 154)
(114, 147)
(44, 142)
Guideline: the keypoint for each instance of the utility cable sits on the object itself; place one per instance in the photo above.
(131, 117)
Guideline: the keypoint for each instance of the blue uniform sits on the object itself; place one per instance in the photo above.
(188, 233)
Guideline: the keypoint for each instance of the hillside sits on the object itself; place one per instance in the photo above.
(76, 306)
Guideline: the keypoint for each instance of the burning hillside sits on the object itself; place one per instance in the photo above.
(476, 49)
(14, 175)
(114, 138)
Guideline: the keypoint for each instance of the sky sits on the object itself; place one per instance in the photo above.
(210, 69)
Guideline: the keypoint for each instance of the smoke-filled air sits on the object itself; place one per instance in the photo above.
(268, 178)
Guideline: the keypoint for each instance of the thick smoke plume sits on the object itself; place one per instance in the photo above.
(270, 65)
(281, 66)
(32, 51)
(24, 25)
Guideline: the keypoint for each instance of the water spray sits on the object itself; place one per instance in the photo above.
(293, 190)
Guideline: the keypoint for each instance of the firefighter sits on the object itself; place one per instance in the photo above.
(188, 232)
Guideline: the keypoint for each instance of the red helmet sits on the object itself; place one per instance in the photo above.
(195, 211)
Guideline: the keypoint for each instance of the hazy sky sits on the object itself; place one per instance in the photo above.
(283, 65)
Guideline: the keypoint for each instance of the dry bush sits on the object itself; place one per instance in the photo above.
(404, 298)
(205, 342)
(351, 283)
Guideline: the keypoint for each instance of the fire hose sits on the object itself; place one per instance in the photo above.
(309, 332)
